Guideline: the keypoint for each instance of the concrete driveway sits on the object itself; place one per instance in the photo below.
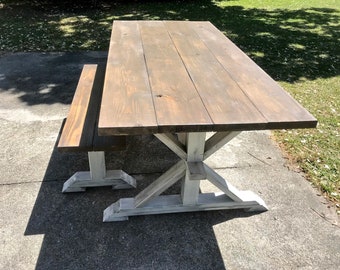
(41, 228)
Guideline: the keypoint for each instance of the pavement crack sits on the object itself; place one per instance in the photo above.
(231, 167)
(323, 216)
(250, 154)
(32, 182)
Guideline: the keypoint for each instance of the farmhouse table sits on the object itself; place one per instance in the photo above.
(178, 80)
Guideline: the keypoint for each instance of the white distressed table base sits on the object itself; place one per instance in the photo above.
(98, 176)
(192, 149)
(167, 204)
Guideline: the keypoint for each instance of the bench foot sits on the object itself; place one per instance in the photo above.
(98, 176)
(118, 179)
(122, 209)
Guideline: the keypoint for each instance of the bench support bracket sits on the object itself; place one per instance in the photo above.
(98, 176)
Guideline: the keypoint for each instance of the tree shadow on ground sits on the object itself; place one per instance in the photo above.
(39, 78)
(76, 238)
(288, 44)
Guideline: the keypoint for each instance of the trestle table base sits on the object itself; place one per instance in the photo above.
(193, 149)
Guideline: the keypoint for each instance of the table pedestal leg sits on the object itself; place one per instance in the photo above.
(193, 150)
(98, 176)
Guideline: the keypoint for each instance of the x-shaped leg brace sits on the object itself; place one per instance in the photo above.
(193, 149)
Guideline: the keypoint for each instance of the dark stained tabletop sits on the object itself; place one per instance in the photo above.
(180, 76)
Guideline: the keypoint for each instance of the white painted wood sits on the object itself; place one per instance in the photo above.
(127, 181)
(195, 146)
(166, 180)
(193, 168)
(98, 176)
(222, 184)
(111, 213)
(71, 185)
(190, 190)
(182, 138)
(196, 170)
(174, 145)
(248, 195)
(216, 141)
(195, 151)
(97, 164)
(118, 179)
(124, 208)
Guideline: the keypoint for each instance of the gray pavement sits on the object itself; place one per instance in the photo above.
(41, 228)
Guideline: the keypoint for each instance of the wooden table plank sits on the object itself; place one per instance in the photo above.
(277, 106)
(177, 103)
(226, 103)
(168, 76)
(127, 104)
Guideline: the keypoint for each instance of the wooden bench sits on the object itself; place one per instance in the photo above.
(80, 133)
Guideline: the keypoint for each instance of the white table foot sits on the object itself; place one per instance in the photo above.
(166, 204)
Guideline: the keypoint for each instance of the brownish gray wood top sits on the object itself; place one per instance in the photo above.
(179, 76)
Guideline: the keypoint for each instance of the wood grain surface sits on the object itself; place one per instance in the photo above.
(127, 103)
(275, 104)
(80, 130)
(72, 135)
(179, 76)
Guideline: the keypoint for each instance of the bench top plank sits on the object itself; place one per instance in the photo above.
(172, 76)
(80, 130)
(73, 135)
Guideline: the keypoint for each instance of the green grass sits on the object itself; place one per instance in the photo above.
(316, 151)
(296, 42)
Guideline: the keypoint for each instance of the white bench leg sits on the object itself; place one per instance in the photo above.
(98, 176)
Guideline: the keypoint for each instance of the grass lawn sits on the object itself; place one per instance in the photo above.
(295, 41)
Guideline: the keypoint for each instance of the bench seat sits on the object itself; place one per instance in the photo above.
(79, 133)
(80, 130)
